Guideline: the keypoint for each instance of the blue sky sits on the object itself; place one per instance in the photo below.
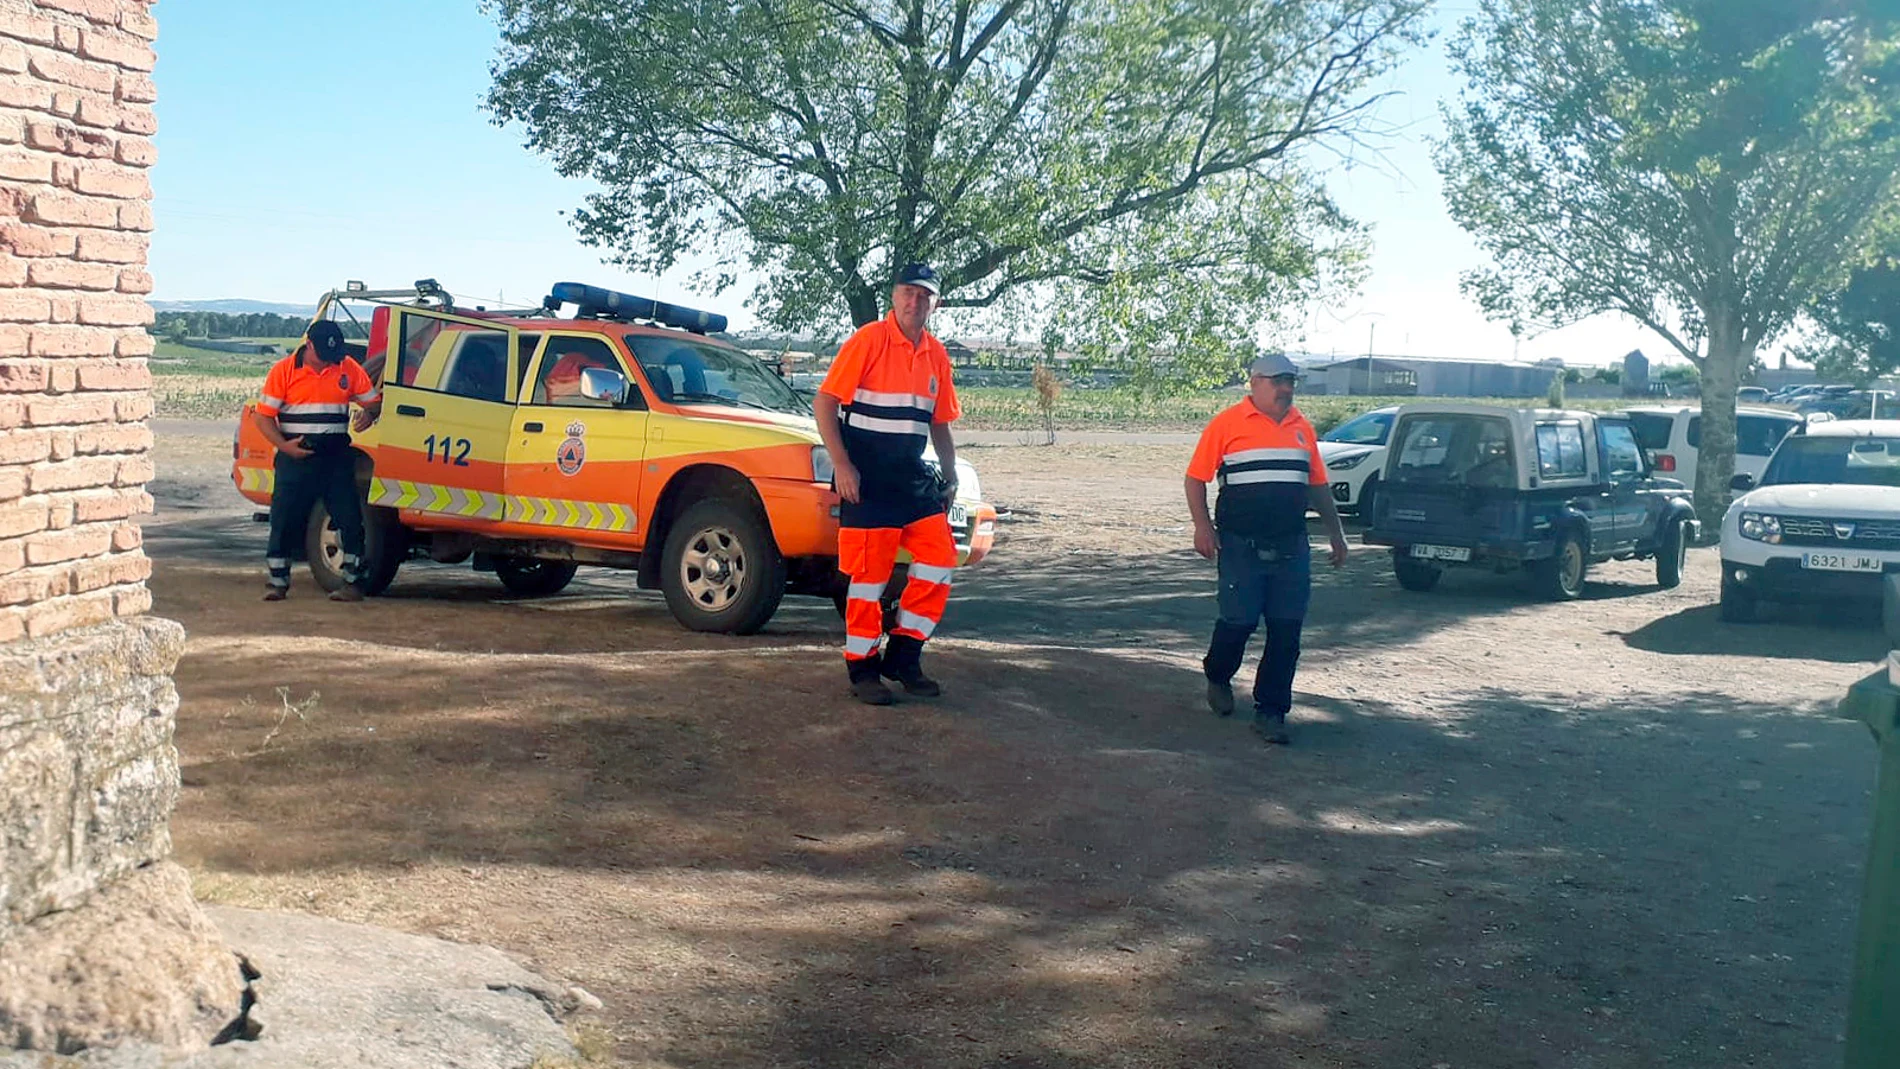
(348, 142)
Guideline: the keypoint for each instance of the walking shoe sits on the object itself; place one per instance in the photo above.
(914, 681)
(1220, 698)
(348, 592)
(1272, 729)
(871, 691)
(276, 593)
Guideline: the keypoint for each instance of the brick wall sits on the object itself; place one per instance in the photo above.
(76, 121)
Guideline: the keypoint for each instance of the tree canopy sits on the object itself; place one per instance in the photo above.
(1861, 319)
(1706, 167)
(1139, 173)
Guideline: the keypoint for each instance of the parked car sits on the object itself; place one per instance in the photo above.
(1354, 453)
(1754, 394)
(1671, 437)
(1821, 525)
(1542, 490)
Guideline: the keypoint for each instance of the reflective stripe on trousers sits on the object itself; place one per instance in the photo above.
(868, 555)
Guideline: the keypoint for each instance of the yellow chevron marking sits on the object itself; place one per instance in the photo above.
(406, 494)
(594, 519)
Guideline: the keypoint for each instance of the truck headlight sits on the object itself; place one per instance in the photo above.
(821, 469)
(1761, 527)
(1347, 463)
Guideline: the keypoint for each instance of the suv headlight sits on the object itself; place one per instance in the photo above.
(1761, 527)
(1347, 463)
(821, 469)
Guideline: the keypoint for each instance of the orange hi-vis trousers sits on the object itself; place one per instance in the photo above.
(868, 554)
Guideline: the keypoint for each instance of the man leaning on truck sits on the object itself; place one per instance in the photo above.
(304, 412)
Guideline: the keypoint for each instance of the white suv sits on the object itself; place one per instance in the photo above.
(1671, 435)
(1354, 453)
(1823, 525)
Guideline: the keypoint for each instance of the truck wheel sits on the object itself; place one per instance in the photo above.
(1739, 604)
(385, 544)
(526, 577)
(1561, 577)
(1414, 574)
(720, 568)
(1671, 555)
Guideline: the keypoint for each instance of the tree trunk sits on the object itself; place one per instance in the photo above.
(1729, 354)
(862, 301)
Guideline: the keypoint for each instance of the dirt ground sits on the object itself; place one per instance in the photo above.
(1611, 833)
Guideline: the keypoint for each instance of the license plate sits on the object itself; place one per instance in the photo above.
(959, 515)
(1840, 562)
(1442, 552)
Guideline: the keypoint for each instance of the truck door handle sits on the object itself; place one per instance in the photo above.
(531, 427)
(410, 410)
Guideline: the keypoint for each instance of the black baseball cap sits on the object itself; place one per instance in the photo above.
(326, 340)
(920, 275)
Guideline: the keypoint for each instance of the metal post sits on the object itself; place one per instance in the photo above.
(1873, 1019)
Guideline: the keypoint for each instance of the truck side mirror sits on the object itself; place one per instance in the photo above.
(603, 384)
(1742, 483)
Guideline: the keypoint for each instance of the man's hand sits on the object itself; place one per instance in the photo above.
(949, 494)
(294, 447)
(1339, 551)
(846, 478)
(364, 420)
(1206, 542)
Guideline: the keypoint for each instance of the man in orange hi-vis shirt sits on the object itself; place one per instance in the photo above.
(1266, 457)
(887, 393)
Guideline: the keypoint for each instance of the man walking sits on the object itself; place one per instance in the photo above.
(304, 411)
(1266, 457)
(891, 382)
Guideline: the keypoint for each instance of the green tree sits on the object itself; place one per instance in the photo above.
(1135, 168)
(1705, 167)
(1861, 319)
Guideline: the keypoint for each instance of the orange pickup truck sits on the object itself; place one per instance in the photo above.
(621, 435)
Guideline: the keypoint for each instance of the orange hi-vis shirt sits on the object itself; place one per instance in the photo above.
(891, 392)
(1264, 467)
(310, 398)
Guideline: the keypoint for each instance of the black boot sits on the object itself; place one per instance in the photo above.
(865, 684)
(902, 662)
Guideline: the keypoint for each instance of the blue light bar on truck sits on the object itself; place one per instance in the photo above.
(599, 303)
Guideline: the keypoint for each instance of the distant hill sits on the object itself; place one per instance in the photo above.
(235, 306)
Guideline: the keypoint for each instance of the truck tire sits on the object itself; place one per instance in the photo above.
(1414, 574)
(385, 544)
(526, 577)
(1561, 577)
(720, 568)
(1671, 553)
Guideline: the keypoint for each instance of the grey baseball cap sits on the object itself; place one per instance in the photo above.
(1271, 366)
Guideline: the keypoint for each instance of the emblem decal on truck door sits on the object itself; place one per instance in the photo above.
(573, 451)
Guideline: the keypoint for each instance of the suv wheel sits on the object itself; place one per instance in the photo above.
(385, 544)
(1414, 574)
(526, 577)
(1671, 554)
(1739, 604)
(720, 569)
(1561, 577)
(1368, 501)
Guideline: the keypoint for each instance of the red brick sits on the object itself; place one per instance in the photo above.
(67, 71)
(12, 413)
(127, 536)
(115, 375)
(22, 376)
(26, 240)
(65, 103)
(61, 309)
(60, 209)
(110, 505)
(134, 471)
(24, 518)
(15, 339)
(66, 38)
(137, 152)
(117, 570)
(79, 473)
(138, 23)
(112, 47)
(98, 111)
(12, 271)
(135, 216)
(112, 248)
(136, 343)
(66, 411)
(59, 446)
(26, 447)
(114, 438)
(12, 128)
(102, 11)
(73, 274)
(27, 588)
(139, 120)
(131, 409)
(65, 377)
(64, 614)
(24, 308)
(126, 603)
(137, 89)
(102, 310)
(69, 140)
(134, 280)
(33, 29)
(12, 57)
(21, 167)
(68, 340)
(12, 556)
(112, 182)
(25, 92)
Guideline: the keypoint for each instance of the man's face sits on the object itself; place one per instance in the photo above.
(1272, 394)
(913, 305)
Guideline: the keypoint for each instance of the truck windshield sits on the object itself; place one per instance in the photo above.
(1860, 461)
(685, 372)
(1455, 450)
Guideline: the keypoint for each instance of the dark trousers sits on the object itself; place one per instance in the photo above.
(329, 477)
(1271, 580)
